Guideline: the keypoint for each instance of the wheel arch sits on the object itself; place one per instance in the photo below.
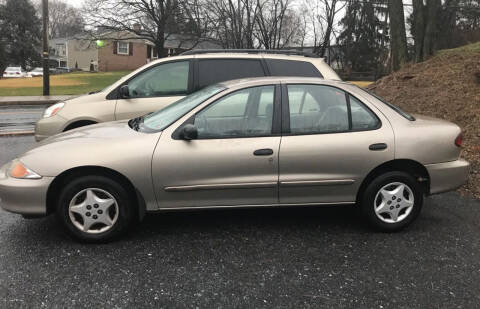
(60, 180)
(79, 123)
(412, 167)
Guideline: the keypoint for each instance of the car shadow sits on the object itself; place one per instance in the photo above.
(339, 218)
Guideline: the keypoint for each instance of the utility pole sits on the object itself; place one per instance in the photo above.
(46, 66)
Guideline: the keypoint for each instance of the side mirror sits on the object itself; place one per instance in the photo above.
(189, 132)
(124, 92)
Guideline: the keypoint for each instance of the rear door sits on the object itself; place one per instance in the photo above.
(155, 88)
(325, 149)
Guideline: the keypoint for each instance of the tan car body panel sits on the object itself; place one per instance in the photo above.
(172, 174)
(111, 145)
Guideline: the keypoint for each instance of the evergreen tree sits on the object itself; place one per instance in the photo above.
(20, 33)
(364, 36)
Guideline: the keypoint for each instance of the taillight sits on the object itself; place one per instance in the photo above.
(18, 73)
(459, 140)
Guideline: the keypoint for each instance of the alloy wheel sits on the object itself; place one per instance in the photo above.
(93, 211)
(393, 202)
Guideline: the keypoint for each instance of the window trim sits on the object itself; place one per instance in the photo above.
(115, 94)
(118, 48)
(286, 112)
(276, 121)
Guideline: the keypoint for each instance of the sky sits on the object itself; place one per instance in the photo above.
(76, 3)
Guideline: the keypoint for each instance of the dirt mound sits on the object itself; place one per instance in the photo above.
(446, 86)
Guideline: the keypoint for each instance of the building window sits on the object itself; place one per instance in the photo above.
(122, 48)
(60, 50)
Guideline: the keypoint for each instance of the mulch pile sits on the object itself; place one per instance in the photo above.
(445, 86)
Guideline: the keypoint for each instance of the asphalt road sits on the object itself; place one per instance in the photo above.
(263, 258)
(19, 117)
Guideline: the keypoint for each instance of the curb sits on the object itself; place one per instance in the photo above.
(32, 100)
(16, 133)
(40, 103)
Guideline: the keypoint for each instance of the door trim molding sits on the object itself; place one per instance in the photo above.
(306, 183)
(222, 186)
(255, 206)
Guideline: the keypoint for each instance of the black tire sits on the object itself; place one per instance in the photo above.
(126, 213)
(368, 200)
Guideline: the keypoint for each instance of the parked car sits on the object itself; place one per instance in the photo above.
(167, 80)
(245, 143)
(35, 72)
(61, 70)
(14, 72)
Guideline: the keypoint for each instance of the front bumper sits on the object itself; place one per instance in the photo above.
(447, 176)
(47, 127)
(24, 196)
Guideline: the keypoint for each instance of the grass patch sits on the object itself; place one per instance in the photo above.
(362, 84)
(62, 84)
(474, 48)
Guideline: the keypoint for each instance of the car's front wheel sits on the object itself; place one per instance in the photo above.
(392, 201)
(94, 208)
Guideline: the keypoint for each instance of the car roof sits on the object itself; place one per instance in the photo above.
(245, 82)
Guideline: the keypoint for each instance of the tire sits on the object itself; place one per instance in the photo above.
(385, 206)
(85, 209)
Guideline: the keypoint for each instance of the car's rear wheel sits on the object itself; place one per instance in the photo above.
(95, 208)
(392, 201)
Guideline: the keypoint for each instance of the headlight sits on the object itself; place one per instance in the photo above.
(52, 110)
(19, 170)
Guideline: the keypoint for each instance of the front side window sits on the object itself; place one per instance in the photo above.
(122, 48)
(317, 109)
(244, 113)
(161, 80)
(171, 113)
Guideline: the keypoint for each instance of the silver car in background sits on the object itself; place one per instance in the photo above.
(259, 142)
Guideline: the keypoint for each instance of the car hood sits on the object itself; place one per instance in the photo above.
(111, 145)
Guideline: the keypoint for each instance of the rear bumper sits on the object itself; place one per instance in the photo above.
(24, 196)
(447, 176)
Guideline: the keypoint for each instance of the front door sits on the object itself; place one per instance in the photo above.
(234, 160)
(154, 89)
(326, 154)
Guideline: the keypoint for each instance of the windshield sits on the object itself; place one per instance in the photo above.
(166, 116)
(394, 107)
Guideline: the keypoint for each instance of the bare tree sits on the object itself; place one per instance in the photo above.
(322, 16)
(151, 20)
(233, 21)
(277, 24)
(398, 45)
(64, 19)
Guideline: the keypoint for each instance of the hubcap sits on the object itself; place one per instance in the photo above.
(93, 211)
(393, 202)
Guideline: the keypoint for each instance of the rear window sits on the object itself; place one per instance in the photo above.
(394, 107)
(279, 67)
(212, 71)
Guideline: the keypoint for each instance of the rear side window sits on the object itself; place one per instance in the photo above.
(280, 67)
(212, 71)
(317, 109)
(362, 117)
